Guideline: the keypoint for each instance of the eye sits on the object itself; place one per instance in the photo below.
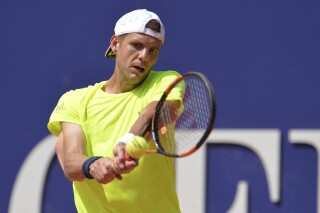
(154, 50)
(137, 45)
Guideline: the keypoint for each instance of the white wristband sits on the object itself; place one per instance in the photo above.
(126, 138)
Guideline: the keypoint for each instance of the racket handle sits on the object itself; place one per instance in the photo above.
(127, 157)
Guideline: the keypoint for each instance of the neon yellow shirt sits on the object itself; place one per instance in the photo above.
(148, 188)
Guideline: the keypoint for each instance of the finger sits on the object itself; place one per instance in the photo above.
(107, 180)
(116, 167)
(119, 163)
(120, 158)
(132, 163)
(119, 177)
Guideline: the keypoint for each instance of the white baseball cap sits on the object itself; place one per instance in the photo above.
(135, 22)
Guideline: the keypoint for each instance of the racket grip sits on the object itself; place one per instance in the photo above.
(127, 157)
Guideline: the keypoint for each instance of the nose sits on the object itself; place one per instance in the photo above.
(143, 55)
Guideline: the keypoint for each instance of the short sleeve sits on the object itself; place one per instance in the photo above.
(67, 110)
(163, 82)
(174, 99)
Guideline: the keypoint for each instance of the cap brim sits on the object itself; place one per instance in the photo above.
(109, 53)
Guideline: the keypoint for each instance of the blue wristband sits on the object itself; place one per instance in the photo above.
(86, 164)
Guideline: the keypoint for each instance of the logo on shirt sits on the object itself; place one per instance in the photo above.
(59, 107)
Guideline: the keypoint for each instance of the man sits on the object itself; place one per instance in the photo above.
(94, 123)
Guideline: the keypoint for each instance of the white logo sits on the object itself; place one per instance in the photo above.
(265, 143)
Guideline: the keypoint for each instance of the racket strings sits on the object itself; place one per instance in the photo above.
(194, 121)
(185, 125)
(168, 113)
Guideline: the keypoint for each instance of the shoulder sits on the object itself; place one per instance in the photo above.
(160, 76)
(157, 82)
(80, 93)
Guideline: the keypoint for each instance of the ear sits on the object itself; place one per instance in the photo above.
(114, 43)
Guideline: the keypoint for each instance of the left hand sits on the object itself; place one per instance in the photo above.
(121, 165)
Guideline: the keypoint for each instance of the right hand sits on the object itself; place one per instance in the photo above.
(103, 170)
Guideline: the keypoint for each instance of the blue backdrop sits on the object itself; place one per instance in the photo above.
(263, 58)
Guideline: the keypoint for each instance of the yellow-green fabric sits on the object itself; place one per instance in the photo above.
(151, 186)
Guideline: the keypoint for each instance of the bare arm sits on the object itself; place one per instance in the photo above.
(140, 127)
(70, 152)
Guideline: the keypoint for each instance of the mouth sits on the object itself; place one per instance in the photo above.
(139, 69)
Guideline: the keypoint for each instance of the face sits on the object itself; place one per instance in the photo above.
(135, 56)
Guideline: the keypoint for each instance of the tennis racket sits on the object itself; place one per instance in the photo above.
(184, 116)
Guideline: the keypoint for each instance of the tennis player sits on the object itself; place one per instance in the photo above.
(94, 123)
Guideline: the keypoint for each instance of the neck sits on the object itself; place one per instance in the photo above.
(116, 85)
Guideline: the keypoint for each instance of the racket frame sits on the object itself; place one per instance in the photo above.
(161, 102)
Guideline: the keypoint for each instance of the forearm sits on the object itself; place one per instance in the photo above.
(142, 123)
(70, 151)
(71, 163)
(73, 167)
